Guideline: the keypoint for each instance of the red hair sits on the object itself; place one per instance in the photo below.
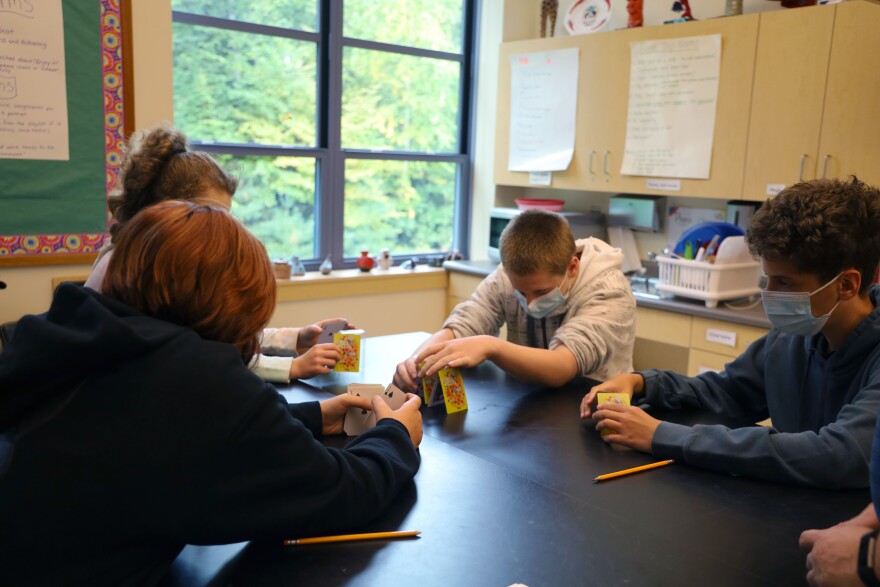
(196, 266)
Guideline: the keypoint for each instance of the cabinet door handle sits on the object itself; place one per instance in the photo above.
(592, 173)
(825, 165)
(801, 174)
(605, 164)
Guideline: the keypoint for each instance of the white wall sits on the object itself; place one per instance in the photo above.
(483, 194)
(153, 64)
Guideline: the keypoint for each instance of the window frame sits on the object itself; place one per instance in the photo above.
(330, 158)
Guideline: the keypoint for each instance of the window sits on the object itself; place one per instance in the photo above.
(346, 121)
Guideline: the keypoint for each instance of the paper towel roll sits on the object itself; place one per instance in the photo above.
(623, 239)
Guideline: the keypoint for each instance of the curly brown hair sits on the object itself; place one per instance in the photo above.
(196, 266)
(159, 166)
(823, 227)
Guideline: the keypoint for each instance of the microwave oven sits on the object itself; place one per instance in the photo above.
(582, 226)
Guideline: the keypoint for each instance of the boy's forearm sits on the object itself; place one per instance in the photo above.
(549, 367)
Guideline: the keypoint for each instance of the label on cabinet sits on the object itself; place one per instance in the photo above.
(774, 188)
(540, 177)
(724, 337)
(667, 185)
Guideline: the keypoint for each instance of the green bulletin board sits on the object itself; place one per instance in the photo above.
(58, 207)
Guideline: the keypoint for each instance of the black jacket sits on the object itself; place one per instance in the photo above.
(155, 438)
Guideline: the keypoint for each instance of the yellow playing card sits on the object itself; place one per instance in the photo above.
(611, 398)
(349, 344)
(453, 390)
(428, 383)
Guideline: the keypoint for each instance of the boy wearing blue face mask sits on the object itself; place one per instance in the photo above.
(816, 374)
(568, 308)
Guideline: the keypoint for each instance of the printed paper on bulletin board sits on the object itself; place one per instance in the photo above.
(53, 202)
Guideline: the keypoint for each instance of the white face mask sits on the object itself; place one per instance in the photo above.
(544, 305)
(791, 312)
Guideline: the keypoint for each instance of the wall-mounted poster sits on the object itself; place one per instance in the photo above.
(543, 108)
(33, 92)
(673, 90)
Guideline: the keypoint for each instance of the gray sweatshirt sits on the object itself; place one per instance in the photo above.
(596, 322)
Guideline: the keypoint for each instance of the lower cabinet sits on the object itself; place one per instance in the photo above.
(715, 343)
(688, 344)
(461, 286)
(662, 340)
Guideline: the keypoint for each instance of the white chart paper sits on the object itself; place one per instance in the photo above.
(33, 92)
(673, 91)
(543, 108)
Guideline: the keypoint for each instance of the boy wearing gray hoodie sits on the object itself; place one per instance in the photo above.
(569, 311)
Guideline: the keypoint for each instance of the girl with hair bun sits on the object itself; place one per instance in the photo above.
(159, 166)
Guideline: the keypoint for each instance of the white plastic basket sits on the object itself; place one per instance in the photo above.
(708, 281)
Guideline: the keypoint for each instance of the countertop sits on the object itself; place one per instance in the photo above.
(753, 316)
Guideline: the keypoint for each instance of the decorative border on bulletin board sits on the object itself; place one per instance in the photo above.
(111, 59)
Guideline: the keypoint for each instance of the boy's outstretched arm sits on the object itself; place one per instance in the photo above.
(551, 368)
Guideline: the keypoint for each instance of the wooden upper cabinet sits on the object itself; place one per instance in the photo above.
(738, 41)
(603, 94)
(561, 179)
(816, 98)
(602, 107)
(850, 139)
(798, 98)
(787, 99)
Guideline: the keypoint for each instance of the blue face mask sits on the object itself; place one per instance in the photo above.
(791, 312)
(542, 306)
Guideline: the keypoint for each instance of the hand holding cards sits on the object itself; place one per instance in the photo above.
(357, 420)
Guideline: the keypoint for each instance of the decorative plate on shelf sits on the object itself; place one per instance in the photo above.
(587, 16)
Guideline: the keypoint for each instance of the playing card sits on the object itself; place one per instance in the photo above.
(329, 330)
(429, 383)
(349, 344)
(613, 398)
(436, 393)
(358, 420)
(453, 390)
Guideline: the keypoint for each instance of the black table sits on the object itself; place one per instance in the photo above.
(505, 494)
